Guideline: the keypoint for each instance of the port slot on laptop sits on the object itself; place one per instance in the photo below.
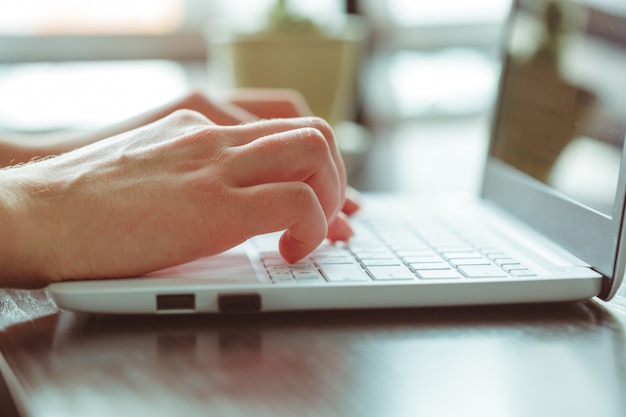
(176, 302)
(239, 303)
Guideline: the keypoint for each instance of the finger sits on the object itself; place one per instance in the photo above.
(248, 132)
(185, 118)
(220, 111)
(293, 155)
(252, 131)
(339, 229)
(229, 114)
(292, 207)
(270, 103)
(297, 155)
(351, 205)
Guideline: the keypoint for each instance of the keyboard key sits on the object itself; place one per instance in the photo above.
(278, 268)
(462, 255)
(439, 274)
(497, 254)
(381, 262)
(421, 259)
(430, 266)
(269, 262)
(522, 273)
(395, 272)
(453, 247)
(505, 261)
(482, 271)
(414, 251)
(281, 276)
(343, 272)
(374, 254)
(512, 267)
(334, 258)
(469, 261)
(307, 276)
(301, 267)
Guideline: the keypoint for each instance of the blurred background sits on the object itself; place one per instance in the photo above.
(428, 74)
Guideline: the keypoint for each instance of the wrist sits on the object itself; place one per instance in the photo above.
(20, 247)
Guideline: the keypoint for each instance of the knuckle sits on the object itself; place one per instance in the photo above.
(187, 116)
(315, 141)
(324, 128)
(303, 195)
(196, 95)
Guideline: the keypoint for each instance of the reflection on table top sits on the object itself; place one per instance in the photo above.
(527, 360)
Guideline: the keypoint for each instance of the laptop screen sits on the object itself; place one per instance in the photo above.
(561, 116)
(557, 141)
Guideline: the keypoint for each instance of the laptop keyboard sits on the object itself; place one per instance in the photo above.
(387, 251)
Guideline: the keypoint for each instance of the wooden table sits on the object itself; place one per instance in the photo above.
(527, 360)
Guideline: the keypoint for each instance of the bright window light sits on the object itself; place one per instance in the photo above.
(43, 17)
(25, 17)
(411, 13)
(258, 9)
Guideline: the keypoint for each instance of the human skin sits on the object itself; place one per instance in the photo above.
(238, 106)
(179, 188)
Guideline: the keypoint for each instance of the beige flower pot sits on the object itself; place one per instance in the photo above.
(323, 66)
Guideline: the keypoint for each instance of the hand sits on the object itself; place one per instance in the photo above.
(237, 107)
(244, 106)
(173, 191)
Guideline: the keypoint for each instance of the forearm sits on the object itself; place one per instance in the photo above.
(11, 152)
(17, 148)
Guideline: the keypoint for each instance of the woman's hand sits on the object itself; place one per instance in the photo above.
(170, 192)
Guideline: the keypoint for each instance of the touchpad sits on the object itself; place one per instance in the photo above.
(230, 267)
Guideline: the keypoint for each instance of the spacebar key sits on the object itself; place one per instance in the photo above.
(343, 272)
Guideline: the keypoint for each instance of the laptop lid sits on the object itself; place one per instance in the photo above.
(556, 157)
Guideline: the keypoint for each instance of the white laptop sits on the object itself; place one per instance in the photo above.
(546, 228)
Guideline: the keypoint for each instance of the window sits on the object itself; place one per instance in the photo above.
(432, 58)
(29, 17)
(52, 30)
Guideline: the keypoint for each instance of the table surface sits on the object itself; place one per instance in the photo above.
(565, 359)
(527, 360)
